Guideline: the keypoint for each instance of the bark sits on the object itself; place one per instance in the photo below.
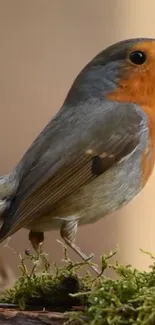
(16, 317)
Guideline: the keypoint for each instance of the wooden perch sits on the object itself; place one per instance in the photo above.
(16, 317)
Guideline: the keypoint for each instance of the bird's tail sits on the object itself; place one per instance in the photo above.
(8, 185)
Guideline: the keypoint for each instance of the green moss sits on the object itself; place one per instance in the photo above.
(129, 299)
(48, 288)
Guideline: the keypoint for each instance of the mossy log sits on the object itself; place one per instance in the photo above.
(129, 299)
(17, 317)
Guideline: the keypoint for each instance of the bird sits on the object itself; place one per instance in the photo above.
(94, 156)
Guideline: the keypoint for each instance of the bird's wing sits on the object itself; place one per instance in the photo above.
(76, 153)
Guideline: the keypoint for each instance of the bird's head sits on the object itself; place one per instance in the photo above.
(123, 72)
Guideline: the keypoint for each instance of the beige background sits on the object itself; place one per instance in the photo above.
(43, 45)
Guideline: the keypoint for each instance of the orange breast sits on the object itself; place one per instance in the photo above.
(138, 86)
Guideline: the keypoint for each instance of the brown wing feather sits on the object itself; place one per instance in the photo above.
(68, 155)
(64, 182)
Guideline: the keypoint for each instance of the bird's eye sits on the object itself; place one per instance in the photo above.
(137, 57)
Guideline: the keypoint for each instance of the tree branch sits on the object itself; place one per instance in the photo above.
(16, 317)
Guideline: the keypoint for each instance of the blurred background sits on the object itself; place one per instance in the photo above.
(43, 46)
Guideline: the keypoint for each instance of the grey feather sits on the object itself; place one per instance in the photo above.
(8, 185)
(87, 120)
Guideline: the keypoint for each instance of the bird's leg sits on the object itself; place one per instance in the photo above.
(68, 232)
(36, 239)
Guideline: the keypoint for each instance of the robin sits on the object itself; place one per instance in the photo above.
(95, 155)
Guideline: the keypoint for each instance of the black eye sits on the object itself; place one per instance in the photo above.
(137, 57)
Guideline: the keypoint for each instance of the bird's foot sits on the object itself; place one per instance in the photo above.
(82, 255)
